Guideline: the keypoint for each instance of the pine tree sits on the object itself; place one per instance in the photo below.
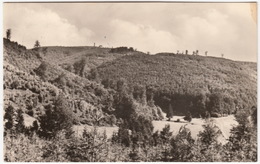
(35, 126)
(182, 145)
(188, 117)
(242, 145)
(165, 136)
(20, 127)
(209, 147)
(209, 135)
(170, 112)
(37, 44)
(8, 34)
(254, 114)
(9, 118)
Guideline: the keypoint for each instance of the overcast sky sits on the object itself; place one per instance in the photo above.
(219, 28)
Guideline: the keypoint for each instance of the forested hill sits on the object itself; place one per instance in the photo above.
(34, 82)
(189, 82)
(186, 83)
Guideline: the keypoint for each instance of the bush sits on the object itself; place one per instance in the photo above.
(214, 114)
(22, 148)
(30, 112)
(121, 50)
(61, 80)
(79, 66)
(42, 70)
(15, 84)
(113, 120)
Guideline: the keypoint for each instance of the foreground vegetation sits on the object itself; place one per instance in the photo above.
(56, 142)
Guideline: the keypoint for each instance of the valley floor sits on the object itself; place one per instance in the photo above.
(195, 126)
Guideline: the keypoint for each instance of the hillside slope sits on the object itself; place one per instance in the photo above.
(33, 82)
(189, 83)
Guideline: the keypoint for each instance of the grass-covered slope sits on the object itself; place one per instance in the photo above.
(67, 56)
(80, 60)
(189, 83)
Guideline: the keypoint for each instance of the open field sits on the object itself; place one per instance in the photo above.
(109, 130)
(224, 124)
(195, 126)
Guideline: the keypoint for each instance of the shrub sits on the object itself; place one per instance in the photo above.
(214, 114)
(23, 148)
(30, 112)
(42, 70)
(113, 120)
(15, 84)
(61, 80)
(121, 50)
(79, 66)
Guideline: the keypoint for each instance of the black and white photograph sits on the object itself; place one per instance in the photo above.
(129, 81)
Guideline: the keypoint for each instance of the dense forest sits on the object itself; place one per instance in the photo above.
(60, 87)
(190, 83)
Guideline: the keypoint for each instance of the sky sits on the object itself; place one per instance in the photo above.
(219, 28)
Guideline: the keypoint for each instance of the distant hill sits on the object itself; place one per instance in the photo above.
(67, 57)
(189, 82)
